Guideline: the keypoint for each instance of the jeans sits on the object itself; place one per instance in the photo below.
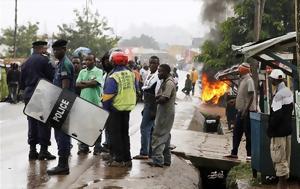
(193, 88)
(242, 126)
(146, 127)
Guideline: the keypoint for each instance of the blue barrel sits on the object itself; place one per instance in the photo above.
(260, 144)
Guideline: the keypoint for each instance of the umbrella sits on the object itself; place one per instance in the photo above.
(81, 51)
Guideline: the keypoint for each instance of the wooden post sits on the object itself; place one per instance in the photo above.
(16, 27)
(297, 25)
(259, 10)
(297, 56)
(257, 22)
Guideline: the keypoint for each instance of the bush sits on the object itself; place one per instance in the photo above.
(240, 172)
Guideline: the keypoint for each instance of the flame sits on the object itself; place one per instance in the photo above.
(212, 91)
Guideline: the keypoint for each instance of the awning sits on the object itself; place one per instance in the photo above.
(277, 43)
(272, 52)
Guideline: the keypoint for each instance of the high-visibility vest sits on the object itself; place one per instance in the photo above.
(125, 100)
(194, 76)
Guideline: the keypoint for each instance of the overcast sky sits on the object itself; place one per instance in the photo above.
(122, 15)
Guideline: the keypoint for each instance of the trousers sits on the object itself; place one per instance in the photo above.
(242, 126)
(117, 125)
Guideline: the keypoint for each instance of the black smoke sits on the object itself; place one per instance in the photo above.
(213, 13)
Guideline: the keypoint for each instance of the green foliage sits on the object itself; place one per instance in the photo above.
(142, 41)
(240, 172)
(26, 34)
(210, 54)
(278, 19)
(89, 30)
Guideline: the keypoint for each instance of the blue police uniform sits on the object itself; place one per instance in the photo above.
(36, 67)
(64, 70)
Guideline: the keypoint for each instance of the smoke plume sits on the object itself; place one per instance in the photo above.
(214, 12)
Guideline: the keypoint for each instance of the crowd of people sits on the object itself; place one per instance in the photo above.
(10, 82)
(114, 83)
(279, 124)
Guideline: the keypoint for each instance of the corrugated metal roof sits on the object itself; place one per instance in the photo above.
(250, 49)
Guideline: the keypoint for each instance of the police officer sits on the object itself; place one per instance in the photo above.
(37, 67)
(64, 78)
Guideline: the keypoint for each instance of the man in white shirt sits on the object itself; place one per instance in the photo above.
(150, 87)
(144, 72)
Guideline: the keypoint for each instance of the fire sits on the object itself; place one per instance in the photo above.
(212, 91)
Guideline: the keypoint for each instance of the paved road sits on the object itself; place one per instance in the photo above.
(17, 172)
(15, 168)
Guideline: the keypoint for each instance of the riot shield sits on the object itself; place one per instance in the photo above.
(64, 110)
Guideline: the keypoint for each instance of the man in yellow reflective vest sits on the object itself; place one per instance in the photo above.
(119, 98)
(194, 78)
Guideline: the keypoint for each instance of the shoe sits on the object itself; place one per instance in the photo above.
(248, 158)
(106, 157)
(231, 156)
(152, 164)
(115, 164)
(167, 164)
(172, 147)
(33, 155)
(83, 151)
(127, 163)
(58, 171)
(46, 155)
(61, 169)
(141, 157)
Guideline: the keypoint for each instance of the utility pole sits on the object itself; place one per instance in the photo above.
(297, 25)
(259, 11)
(87, 11)
(297, 56)
(16, 27)
(257, 22)
(87, 21)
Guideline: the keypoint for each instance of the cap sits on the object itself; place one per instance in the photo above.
(244, 68)
(277, 74)
(245, 65)
(59, 43)
(39, 43)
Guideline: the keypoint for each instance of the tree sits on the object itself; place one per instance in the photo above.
(89, 30)
(26, 34)
(142, 41)
(277, 20)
